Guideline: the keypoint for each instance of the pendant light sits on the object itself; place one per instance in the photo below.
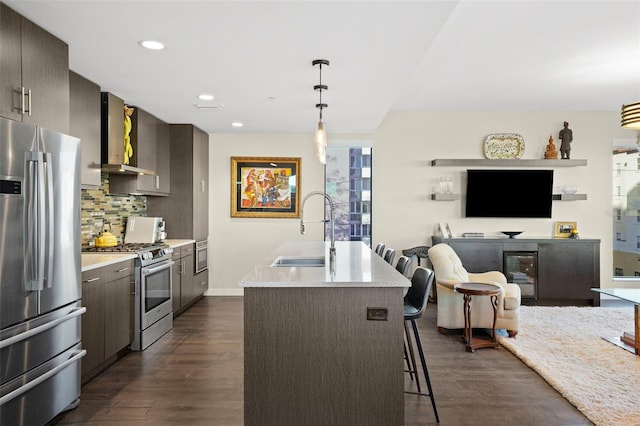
(630, 116)
(321, 134)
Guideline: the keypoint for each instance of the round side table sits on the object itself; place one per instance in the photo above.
(478, 289)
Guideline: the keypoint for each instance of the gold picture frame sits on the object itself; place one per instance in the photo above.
(265, 187)
(563, 229)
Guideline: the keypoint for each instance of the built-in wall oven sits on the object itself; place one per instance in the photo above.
(153, 307)
(201, 256)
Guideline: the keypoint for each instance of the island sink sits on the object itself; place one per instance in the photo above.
(304, 261)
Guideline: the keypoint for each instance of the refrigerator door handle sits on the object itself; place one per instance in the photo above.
(50, 229)
(34, 222)
(22, 389)
(36, 330)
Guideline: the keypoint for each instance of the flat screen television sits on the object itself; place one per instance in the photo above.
(509, 193)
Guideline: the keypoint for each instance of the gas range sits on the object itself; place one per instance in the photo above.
(153, 303)
(148, 253)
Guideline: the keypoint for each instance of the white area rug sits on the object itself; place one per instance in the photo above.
(564, 346)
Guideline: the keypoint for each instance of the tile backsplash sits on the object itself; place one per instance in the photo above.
(99, 207)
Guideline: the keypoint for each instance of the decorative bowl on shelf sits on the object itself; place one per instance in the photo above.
(570, 189)
(512, 234)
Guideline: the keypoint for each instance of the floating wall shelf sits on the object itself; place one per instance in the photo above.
(444, 162)
(445, 197)
(569, 197)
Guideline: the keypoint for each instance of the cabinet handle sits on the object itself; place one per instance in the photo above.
(202, 185)
(91, 280)
(22, 103)
(26, 100)
(122, 270)
(157, 181)
(203, 283)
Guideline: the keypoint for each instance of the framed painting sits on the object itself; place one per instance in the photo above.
(563, 229)
(265, 187)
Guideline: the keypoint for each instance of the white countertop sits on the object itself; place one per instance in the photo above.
(178, 243)
(98, 260)
(356, 266)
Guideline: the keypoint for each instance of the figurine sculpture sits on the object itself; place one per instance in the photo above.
(551, 153)
(566, 136)
(128, 148)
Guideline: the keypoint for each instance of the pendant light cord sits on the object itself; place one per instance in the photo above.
(321, 91)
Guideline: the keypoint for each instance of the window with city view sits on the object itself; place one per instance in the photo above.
(626, 211)
(348, 182)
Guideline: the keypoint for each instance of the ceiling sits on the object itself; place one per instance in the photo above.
(255, 57)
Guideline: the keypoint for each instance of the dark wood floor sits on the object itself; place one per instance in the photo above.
(194, 376)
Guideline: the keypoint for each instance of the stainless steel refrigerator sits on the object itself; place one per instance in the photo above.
(40, 274)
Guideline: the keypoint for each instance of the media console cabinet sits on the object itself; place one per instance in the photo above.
(550, 271)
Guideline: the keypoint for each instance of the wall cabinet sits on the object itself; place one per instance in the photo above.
(84, 123)
(183, 294)
(34, 73)
(566, 269)
(186, 209)
(151, 141)
(107, 325)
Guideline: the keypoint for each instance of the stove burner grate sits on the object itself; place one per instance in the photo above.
(122, 248)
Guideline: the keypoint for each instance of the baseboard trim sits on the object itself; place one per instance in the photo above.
(224, 292)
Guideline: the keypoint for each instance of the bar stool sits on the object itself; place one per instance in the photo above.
(415, 303)
(403, 264)
(380, 249)
(389, 256)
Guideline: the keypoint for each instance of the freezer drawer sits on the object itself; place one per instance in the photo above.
(41, 394)
(27, 345)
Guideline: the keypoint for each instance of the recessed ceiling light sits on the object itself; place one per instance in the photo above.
(237, 124)
(152, 45)
(205, 97)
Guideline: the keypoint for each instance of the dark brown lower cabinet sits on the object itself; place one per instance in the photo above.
(567, 269)
(184, 292)
(117, 324)
(107, 324)
(200, 283)
(93, 291)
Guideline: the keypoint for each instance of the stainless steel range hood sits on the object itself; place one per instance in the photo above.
(112, 130)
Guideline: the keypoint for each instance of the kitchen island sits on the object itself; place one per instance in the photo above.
(324, 345)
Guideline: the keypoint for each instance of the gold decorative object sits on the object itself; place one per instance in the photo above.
(128, 148)
(551, 153)
(565, 229)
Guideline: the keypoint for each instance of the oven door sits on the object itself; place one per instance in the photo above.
(201, 256)
(155, 292)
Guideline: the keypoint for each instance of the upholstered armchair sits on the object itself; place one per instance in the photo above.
(449, 272)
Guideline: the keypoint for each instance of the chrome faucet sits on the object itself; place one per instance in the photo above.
(332, 206)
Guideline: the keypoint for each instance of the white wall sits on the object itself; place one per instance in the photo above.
(403, 214)
(236, 244)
